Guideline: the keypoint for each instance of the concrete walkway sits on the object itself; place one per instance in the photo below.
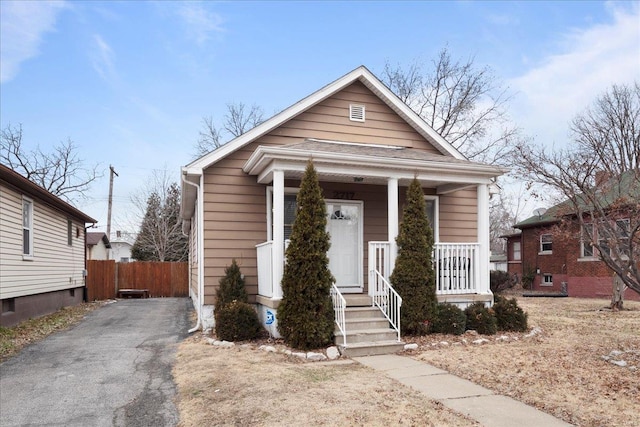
(460, 395)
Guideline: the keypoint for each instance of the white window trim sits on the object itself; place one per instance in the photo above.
(542, 252)
(436, 217)
(287, 190)
(29, 256)
(543, 282)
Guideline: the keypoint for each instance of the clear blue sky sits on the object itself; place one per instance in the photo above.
(129, 82)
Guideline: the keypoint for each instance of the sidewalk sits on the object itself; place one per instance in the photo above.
(460, 395)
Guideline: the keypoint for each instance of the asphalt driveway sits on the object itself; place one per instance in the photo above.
(112, 369)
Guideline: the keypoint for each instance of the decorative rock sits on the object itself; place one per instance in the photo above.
(316, 356)
(443, 343)
(412, 346)
(300, 355)
(502, 338)
(225, 344)
(633, 368)
(333, 353)
(480, 341)
(620, 363)
(605, 357)
(471, 332)
(288, 352)
(246, 346)
(615, 353)
(268, 348)
(210, 341)
(535, 331)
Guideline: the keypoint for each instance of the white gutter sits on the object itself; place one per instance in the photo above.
(199, 249)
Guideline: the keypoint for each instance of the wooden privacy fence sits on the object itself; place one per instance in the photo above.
(161, 279)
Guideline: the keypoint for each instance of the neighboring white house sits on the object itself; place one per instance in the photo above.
(42, 242)
(498, 262)
(98, 246)
(121, 244)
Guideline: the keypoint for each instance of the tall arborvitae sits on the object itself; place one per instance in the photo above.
(413, 276)
(305, 314)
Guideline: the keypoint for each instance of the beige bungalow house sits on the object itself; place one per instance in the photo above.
(238, 201)
(42, 250)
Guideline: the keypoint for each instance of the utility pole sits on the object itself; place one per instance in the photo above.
(112, 173)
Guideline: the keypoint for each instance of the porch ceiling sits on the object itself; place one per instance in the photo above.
(368, 164)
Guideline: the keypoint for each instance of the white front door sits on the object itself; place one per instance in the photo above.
(344, 224)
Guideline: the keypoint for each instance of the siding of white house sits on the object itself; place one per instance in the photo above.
(55, 265)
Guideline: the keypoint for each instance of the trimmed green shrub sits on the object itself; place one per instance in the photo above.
(305, 314)
(509, 316)
(450, 320)
(237, 321)
(413, 277)
(231, 286)
(500, 281)
(481, 319)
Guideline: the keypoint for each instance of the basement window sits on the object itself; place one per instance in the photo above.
(8, 305)
(356, 113)
(547, 280)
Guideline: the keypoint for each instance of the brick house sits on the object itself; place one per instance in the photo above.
(559, 258)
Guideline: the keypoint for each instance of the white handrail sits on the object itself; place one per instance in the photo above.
(387, 300)
(339, 307)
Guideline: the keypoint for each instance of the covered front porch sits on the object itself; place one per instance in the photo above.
(363, 221)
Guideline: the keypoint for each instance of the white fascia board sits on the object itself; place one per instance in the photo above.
(277, 120)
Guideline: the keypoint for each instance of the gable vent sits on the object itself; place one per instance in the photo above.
(356, 113)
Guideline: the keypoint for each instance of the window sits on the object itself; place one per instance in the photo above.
(69, 232)
(547, 280)
(432, 215)
(27, 228)
(290, 206)
(622, 231)
(586, 248)
(516, 251)
(546, 241)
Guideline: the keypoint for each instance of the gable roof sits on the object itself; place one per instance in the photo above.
(21, 183)
(361, 74)
(93, 238)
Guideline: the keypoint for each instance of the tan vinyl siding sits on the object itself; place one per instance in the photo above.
(55, 265)
(459, 216)
(235, 217)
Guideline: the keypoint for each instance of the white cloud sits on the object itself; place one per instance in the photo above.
(593, 59)
(200, 23)
(102, 58)
(22, 27)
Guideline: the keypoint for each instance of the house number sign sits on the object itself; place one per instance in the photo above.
(344, 195)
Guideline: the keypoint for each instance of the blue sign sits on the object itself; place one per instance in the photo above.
(270, 317)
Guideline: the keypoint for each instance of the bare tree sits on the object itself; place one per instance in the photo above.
(463, 103)
(599, 178)
(238, 120)
(504, 210)
(61, 172)
(160, 237)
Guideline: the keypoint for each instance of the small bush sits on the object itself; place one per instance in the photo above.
(237, 321)
(481, 319)
(231, 286)
(450, 319)
(500, 281)
(509, 315)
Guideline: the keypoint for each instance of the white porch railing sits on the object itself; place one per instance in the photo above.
(265, 278)
(457, 268)
(387, 300)
(339, 307)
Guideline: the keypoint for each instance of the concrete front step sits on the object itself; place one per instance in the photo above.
(367, 335)
(371, 348)
(378, 322)
(358, 300)
(363, 312)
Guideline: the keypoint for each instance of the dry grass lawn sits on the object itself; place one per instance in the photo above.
(250, 387)
(561, 370)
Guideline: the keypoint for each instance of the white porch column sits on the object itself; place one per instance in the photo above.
(483, 238)
(392, 216)
(277, 258)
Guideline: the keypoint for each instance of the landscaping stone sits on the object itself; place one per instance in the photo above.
(316, 356)
(268, 348)
(412, 346)
(333, 352)
(535, 331)
(480, 341)
(620, 363)
(299, 355)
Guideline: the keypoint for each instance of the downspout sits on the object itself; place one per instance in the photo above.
(199, 248)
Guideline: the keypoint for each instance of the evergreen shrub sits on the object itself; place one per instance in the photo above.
(450, 320)
(509, 316)
(237, 321)
(481, 319)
